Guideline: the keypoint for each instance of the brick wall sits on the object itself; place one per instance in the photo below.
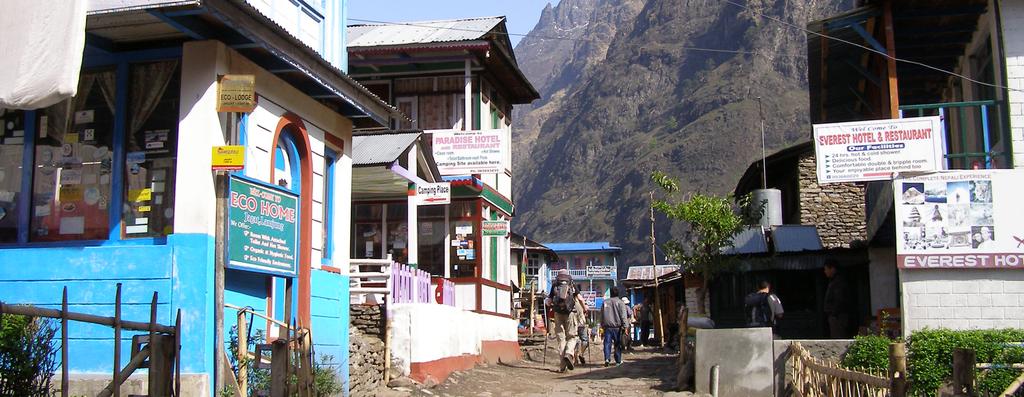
(1013, 40)
(962, 299)
(836, 209)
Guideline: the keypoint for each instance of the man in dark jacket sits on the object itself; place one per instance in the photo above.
(613, 320)
(837, 302)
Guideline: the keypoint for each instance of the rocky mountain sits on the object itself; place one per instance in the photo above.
(632, 86)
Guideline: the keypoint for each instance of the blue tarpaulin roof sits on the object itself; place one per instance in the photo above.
(582, 247)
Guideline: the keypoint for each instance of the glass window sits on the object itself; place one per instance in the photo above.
(367, 231)
(12, 142)
(72, 182)
(328, 243)
(463, 231)
(431, 239)
(398, 232)
(151, 147)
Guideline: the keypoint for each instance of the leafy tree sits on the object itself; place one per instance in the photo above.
(712, 221)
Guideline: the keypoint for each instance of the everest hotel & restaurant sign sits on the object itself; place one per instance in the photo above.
(874, 150)
(959, 220)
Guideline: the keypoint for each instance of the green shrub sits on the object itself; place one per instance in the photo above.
(930, 357)
(868, 352)
(27, 360)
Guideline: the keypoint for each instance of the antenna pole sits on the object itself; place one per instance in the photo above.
(764, 161)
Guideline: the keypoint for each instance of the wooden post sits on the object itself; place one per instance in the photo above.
(533, 302)
(114, 388)
(387, 343)
(242, 356)
(64, 377)
(654, 264)
(117, 343)
(279, 361)
(161, 364)
(898, 369)
(963, 372)
(685, 367)
(177, 354)
(306, 387)
(890, 47)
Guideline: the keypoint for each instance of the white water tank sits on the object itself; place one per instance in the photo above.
(772, 201)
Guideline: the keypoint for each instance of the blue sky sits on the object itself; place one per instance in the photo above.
(522, 14)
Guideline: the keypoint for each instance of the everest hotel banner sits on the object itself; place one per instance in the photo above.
(874, 150)
(960, 220)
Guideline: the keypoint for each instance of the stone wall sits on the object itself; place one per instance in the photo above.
(366, 363)
(836, 209)
(368, 319)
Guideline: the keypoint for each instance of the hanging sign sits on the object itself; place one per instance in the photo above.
(874, 150)
(434, 193)
(470, 152)
(494, 228)
(600, 271)
(589, 298)
(228, 158)
(236, 93)
(960, 220)
(263, 233)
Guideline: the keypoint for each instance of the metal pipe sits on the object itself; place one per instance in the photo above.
(713, 386)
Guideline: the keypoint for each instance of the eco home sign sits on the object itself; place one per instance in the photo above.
(263, 228)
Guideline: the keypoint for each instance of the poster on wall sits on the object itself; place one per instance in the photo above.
(263, 232)
(459, 152)
(959, 220)
(874, 150)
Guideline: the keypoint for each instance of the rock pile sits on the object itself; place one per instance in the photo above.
(368, 319)
(366, 363)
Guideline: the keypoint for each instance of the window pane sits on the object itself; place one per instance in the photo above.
(366, 231)
(431, 239)
(71, 185)
(151, 148)
(12, 137)
(398, 232)
(463, 257)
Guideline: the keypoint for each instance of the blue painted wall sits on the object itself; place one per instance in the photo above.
(180, 271)
(329, 309)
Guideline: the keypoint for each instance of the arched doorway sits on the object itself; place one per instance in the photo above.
(292, 169)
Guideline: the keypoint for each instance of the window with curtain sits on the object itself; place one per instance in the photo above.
(431, 239)
(72, 180)
(151, 148)
(12, 146)
(398, 232)
(366, 233)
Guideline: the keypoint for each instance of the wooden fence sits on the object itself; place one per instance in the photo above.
(159, 350)
(813, 377)
(444, 290)
(290, 357)
(385, 281)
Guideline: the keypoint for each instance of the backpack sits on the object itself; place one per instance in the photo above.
(759, 312)
(563, 295)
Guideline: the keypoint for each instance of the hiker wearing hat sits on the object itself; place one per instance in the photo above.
(627, 329)
(562, 299)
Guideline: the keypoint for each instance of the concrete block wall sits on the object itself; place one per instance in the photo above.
(836, 209)
(1012, 23)
(962, 299)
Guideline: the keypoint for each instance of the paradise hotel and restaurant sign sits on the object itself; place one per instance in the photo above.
(263, 228)
(960, 220)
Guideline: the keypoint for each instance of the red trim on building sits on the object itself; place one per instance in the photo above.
(491, 352)
(305, 208)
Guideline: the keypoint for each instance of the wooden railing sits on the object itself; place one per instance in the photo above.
(813, 377)
(159, 351)
(382, 280)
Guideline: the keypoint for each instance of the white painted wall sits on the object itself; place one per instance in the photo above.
(962, 299)
(452, 333)
(465, 296)
(1012, 13)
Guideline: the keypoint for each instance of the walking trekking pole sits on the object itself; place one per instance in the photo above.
(544, 353)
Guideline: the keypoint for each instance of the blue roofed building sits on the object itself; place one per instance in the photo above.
(593, 265)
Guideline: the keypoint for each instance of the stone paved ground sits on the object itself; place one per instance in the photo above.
(646, 372)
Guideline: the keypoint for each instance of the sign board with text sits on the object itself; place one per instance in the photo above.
(263, 229)
(874, 150)
(228, 158)
(470, 152)
(601, 271)
(590, 298)
(434, 193)
(960, 220)
(236, 93)
(494, 228)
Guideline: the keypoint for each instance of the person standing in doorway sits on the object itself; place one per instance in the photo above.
(563, 303)
(613, 321)
(837, 302)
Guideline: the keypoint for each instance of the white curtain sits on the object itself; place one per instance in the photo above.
(42, 43)
(148, 83)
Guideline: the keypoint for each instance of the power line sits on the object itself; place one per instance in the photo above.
(584, 40)
(869, 49)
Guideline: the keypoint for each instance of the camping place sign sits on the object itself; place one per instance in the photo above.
(263, 228)
(434, 193)
(874, 150)
(967, 219)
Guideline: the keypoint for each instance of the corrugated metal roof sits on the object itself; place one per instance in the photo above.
(376, 149)
(749, 241)
(644, 272)
(399, 33)
(796, 238)
(582, 247)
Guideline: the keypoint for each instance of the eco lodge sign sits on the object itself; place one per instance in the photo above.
(874, 150)
(494, 228)
(959, 220)
(263, 228)
(236, 93)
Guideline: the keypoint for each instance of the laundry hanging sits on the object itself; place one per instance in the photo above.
(42, 49)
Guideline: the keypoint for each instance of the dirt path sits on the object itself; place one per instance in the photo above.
(645, 372)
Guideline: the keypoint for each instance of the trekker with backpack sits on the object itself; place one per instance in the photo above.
(563, 302)
(763, 308)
